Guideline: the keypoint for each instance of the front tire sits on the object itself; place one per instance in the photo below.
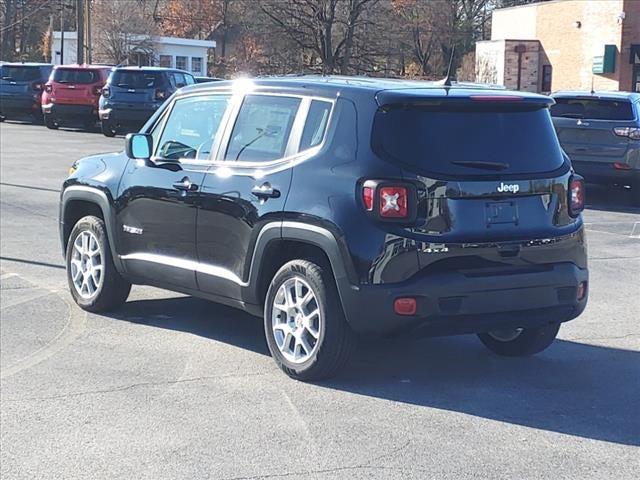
(108, 129)
(307, 333)
(520, 342)
(94, 282)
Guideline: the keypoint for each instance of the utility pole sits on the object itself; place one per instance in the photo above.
(87, 10)
(80, 32)
(61, 32)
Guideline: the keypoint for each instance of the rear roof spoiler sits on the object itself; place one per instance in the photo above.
(442, 96)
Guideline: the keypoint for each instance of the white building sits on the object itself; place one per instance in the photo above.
(183, 53)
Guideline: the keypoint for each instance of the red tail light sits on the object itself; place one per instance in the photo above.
(576, 195)
(160, 94)
(48, 88)
(621, 166)
(394, 202)
(390, 201)
(106, 92)
(405, 306)
(629, 132)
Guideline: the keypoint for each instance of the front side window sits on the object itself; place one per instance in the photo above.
(191, 128)
(316, 124)
(181, 63)
(262, 129)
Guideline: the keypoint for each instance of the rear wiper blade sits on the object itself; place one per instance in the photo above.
(482, 165)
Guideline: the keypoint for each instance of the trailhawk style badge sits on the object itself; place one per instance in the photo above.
(513, 187)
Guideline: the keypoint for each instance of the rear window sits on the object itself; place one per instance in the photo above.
(592, 109)
(66, 75)
(19, 74)
(468, 141)
(133, 79)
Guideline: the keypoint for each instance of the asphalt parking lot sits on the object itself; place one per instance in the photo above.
(175, 387)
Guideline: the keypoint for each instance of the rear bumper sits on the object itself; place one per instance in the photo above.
(19, 104)
(126, 116)
(70, 112)
(453, 303)
(605, 174)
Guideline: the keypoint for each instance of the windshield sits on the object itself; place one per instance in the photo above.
(133, 79)
(19, 73)
(468, 141)
(592, 109)
(66, 75)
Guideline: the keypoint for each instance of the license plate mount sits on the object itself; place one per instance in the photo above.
(501, 213)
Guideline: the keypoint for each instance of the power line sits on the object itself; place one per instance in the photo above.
(10, 26)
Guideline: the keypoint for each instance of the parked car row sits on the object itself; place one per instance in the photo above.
(81, 95)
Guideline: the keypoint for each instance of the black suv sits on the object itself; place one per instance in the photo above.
(133, 94)
(340, 206)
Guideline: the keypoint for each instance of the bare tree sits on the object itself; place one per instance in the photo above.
(122, 29)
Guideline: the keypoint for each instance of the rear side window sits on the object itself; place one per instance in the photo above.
(65, 75)
(592, 109)
(190, 130)
(467, 141)
(19, 74)
(133, 79)
(316, 124)
(262, 129)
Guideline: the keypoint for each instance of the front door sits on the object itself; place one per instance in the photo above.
(158, 200)
(246, 188)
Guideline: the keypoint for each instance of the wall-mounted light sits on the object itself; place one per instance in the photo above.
(577, 24)
(620, 18)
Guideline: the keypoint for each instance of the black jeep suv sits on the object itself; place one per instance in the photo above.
(340, 206)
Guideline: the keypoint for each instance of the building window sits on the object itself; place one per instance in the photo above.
(181, 63)
(547, 73)
(166, 61)
(196, 64)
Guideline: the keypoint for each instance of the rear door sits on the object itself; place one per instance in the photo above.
(135, 86)
(485, 171)
(586, 128)
(75, 86)
(247, 186)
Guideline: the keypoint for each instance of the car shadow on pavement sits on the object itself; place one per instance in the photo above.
(572, 388)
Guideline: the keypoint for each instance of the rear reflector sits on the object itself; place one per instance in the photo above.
(405, 306)
(393, 202)
(581, 291)
(621, 166)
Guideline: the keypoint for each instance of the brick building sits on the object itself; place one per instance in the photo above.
(563, 44)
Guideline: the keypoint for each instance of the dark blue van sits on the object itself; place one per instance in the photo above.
(133, 94)
(21, 87)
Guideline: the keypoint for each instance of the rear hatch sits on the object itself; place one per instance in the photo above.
(76, 86)
(487, 168)
(19, 79)
(134, 87)
(586, 125)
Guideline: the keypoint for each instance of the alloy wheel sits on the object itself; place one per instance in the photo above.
(87, 264)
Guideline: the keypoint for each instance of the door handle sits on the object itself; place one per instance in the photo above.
(185, 185)
(265, 191)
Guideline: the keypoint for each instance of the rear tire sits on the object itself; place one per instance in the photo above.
(108, 129)
(94, 282)
(308, 317)
(520, 342)
(49, 122)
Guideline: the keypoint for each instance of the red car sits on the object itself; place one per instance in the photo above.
(71, 95)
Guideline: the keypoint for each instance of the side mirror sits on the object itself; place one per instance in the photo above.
(138, 146)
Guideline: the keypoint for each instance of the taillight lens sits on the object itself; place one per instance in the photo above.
(106, 92)
(576, 195)
(160, 94)
(37, 86)
(629, 132)
(97, 91)
(367, 198)
(394, 202)
(48, 88)
(621, 166)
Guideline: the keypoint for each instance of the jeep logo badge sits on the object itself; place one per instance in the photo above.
(513, 188)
